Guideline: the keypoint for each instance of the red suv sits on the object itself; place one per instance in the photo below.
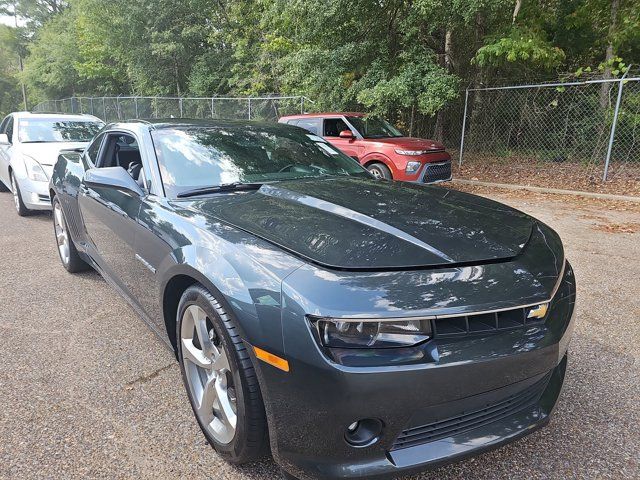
(379, 146)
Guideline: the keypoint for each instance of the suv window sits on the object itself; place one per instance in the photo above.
(333, 127)
(312, 125)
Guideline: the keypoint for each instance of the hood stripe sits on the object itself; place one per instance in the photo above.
(344, 212)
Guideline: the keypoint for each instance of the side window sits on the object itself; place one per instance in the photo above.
(312, 125)
(333, 127)
(93, 149)
(121, 150)
(9, 129)
(3, 124)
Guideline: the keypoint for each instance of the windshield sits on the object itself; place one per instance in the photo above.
(196, 157)
(31, 130)
(371, 127)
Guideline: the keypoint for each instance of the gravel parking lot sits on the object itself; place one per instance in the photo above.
(89, 392)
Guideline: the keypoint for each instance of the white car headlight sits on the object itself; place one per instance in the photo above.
(34, 170)
(410, 152)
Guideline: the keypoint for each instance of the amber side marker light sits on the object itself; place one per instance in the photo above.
(271, 359)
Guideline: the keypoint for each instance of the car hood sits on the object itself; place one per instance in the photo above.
(46, 154)
(354, 224)
(410, 143)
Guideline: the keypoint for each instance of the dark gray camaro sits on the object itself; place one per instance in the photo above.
(356, 328)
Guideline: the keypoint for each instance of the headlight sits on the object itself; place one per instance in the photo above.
(34, 170)
(371, 333)
(412, 167)
(410, 152)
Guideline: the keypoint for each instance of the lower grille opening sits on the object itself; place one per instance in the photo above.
(469, 420)
(434, 172)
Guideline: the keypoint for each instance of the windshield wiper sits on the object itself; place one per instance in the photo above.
(225, 187)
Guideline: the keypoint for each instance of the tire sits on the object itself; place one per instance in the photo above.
(3, 187)
(21, 208)
(67, 251)
(234, 391)
(380, 171)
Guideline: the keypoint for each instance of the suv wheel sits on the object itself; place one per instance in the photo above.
(380, 171)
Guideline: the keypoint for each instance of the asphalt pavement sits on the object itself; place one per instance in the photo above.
(88, 391)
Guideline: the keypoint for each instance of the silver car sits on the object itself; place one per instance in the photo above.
(29, 147)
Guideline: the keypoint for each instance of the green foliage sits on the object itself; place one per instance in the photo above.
(388, 57)
(9, 85)
(521, 46)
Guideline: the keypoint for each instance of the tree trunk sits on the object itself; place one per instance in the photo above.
(608, 57)
(605, 87)
(448, 65)
(516, 10)
(476, 99)
(24, 89)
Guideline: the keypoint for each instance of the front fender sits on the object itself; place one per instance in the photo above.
(249, 291)
(380, 158)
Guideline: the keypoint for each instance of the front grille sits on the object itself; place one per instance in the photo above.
(43, 198)
(437, 172)
(484, 322)
(469, 420)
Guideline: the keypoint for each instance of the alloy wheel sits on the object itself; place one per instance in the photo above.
(62, 237)
(14, 188)
(209, 375)
(377, 174)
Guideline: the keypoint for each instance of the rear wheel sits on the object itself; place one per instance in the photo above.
(69, 255)
(219, 377)
(21, 208)
(3, 187)
(380, 171)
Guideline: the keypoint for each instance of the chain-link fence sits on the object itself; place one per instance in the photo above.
(569, 135)
(111, 109)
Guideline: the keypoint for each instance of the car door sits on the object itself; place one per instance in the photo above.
(110, 214)
(332, 127)
(6, 150)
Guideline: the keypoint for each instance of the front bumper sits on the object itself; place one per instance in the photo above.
(514, 375)
(35, 195)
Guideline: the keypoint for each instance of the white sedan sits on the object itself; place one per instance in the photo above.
(29, 147)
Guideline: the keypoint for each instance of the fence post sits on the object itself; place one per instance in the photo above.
(135, 102)
(302, 105)
(180, 104)
(249, 108)
(613, 126)
(464, 124)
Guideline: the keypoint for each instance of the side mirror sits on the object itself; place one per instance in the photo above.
(112, 177)
(346, 134)
(4, 139)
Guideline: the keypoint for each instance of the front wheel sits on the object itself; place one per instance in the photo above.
(69, 255)
(21, 208)
(380, 171)
(219, 377)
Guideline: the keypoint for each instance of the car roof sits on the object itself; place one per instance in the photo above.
(325, 114)
(183, 123)
(77, 116)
